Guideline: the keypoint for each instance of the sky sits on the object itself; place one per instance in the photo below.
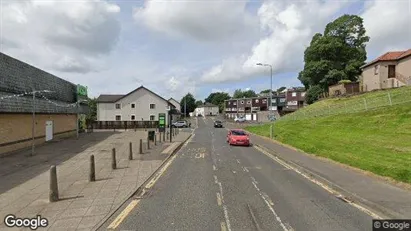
(178, 46)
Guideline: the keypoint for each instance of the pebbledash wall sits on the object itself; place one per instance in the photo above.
(17, 82)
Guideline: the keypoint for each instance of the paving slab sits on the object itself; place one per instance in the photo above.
(82, 204)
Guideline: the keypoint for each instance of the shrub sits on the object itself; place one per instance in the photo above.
(313, 94)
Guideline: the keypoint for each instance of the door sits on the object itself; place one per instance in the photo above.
(49, 130)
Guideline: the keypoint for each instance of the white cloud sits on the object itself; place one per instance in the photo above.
(388, 24)
(202, 20)
(290, 27)
(59, 35)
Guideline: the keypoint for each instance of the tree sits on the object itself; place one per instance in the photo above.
(281, 89)
(199, 102)
(247, 94)
(313, 94)
(217, 98)
(265, 91)
(335, 55)
(92, 114)
(191, 103)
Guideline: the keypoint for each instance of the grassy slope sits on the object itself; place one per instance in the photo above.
(378, 141)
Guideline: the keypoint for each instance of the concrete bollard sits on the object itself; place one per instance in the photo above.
(141, 146)
(155, 139)
(113, 159)
(92, 175)
(148, 143)
(54, 190)
(130, 154)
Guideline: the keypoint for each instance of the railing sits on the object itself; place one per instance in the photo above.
(122, 124)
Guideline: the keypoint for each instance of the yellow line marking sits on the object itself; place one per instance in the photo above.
(163, 169)
(123, 214)
(218, 199)
(325, 187)
(223, 227)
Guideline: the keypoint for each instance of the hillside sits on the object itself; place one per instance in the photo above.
(377, 140)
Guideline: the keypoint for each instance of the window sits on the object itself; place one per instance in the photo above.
(133, 105)
(118, 117)
(152, 106)
(302, 94)
(264, 101)
(152, 117)
(282, 100)
(376, 69)
(118, 106)
(256, 100)
(133, 117)
(249, 102)
(242, 101)
(229, 103)
(234, 103)
(294, 94)
(391, 71)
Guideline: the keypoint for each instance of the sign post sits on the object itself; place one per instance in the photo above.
(161, 122)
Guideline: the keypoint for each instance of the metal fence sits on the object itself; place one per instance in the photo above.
(122, 124)
(352, 105)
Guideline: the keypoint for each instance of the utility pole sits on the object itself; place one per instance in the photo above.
(271, 84)
(185, 106)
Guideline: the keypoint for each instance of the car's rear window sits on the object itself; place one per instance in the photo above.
(238, 133)
(219, 122)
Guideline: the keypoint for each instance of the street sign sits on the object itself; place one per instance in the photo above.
(161, 122)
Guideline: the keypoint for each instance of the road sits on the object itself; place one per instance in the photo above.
(210, 185)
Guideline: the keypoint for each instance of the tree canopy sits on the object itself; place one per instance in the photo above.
(247, 94)
(217, 98)
(191, 103)
(335, 55)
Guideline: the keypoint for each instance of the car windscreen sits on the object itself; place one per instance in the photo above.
(218, 122)
(238, 133)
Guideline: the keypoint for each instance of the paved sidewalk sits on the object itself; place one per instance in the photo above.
(82, 205)
(381, 196)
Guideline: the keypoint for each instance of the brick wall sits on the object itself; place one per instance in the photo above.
(17, 127)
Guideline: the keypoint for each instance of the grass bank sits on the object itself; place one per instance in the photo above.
(378, 140)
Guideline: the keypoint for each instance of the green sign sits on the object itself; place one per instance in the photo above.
(161, 121)
(81, 90)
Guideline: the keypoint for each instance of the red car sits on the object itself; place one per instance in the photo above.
(238, 137)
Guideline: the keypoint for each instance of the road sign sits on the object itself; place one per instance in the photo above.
(81, 90)
(161, 122)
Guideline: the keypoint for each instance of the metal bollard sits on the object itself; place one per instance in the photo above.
(164, 136)
(92, 175)
(113, 159)
(159, 137)
(155, 139)
(130, 154)
(54, 191)
(141, 146)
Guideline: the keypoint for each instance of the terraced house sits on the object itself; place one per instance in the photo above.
(392, 69)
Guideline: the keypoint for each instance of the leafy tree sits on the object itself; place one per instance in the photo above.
(191, 103)
(281, 89)
(217, 98)
(199, 102)
(92, 114)
(247, 94)
(335, 55)
(313, 94)
(265, 91)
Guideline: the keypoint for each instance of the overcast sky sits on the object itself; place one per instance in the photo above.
(175, 47)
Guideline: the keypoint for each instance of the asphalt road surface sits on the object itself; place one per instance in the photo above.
(213, 186)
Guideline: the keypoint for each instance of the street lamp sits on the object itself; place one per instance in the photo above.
(271, 82)
(33, 117)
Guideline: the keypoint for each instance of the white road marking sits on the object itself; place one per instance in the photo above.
(218, 199)
(328, 189)
(270, 207)
(245, 169)
(227, 220)
(215, 179)
(214, 167)
(238, 161)
(234, 172)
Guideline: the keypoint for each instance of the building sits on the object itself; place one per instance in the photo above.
(294, 98)
(140, 104)
(207, 109)
(246, 107)
(55, 105)
(177, 106)
(344, 89)
(175, 103)
(392, 69)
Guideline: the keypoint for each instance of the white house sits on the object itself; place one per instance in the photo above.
(138, 105)
(175, 103)
(206, 109)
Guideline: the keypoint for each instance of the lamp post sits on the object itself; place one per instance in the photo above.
(271, 82)
(33, 118)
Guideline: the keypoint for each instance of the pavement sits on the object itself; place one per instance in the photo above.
(83, 205)
(210, 185)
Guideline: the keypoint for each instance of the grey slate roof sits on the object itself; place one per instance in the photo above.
(207, 105)
(108, 98)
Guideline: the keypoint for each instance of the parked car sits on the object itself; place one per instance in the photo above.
(239, 119)
(180, 124)
(218, 124)
(238, 137)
